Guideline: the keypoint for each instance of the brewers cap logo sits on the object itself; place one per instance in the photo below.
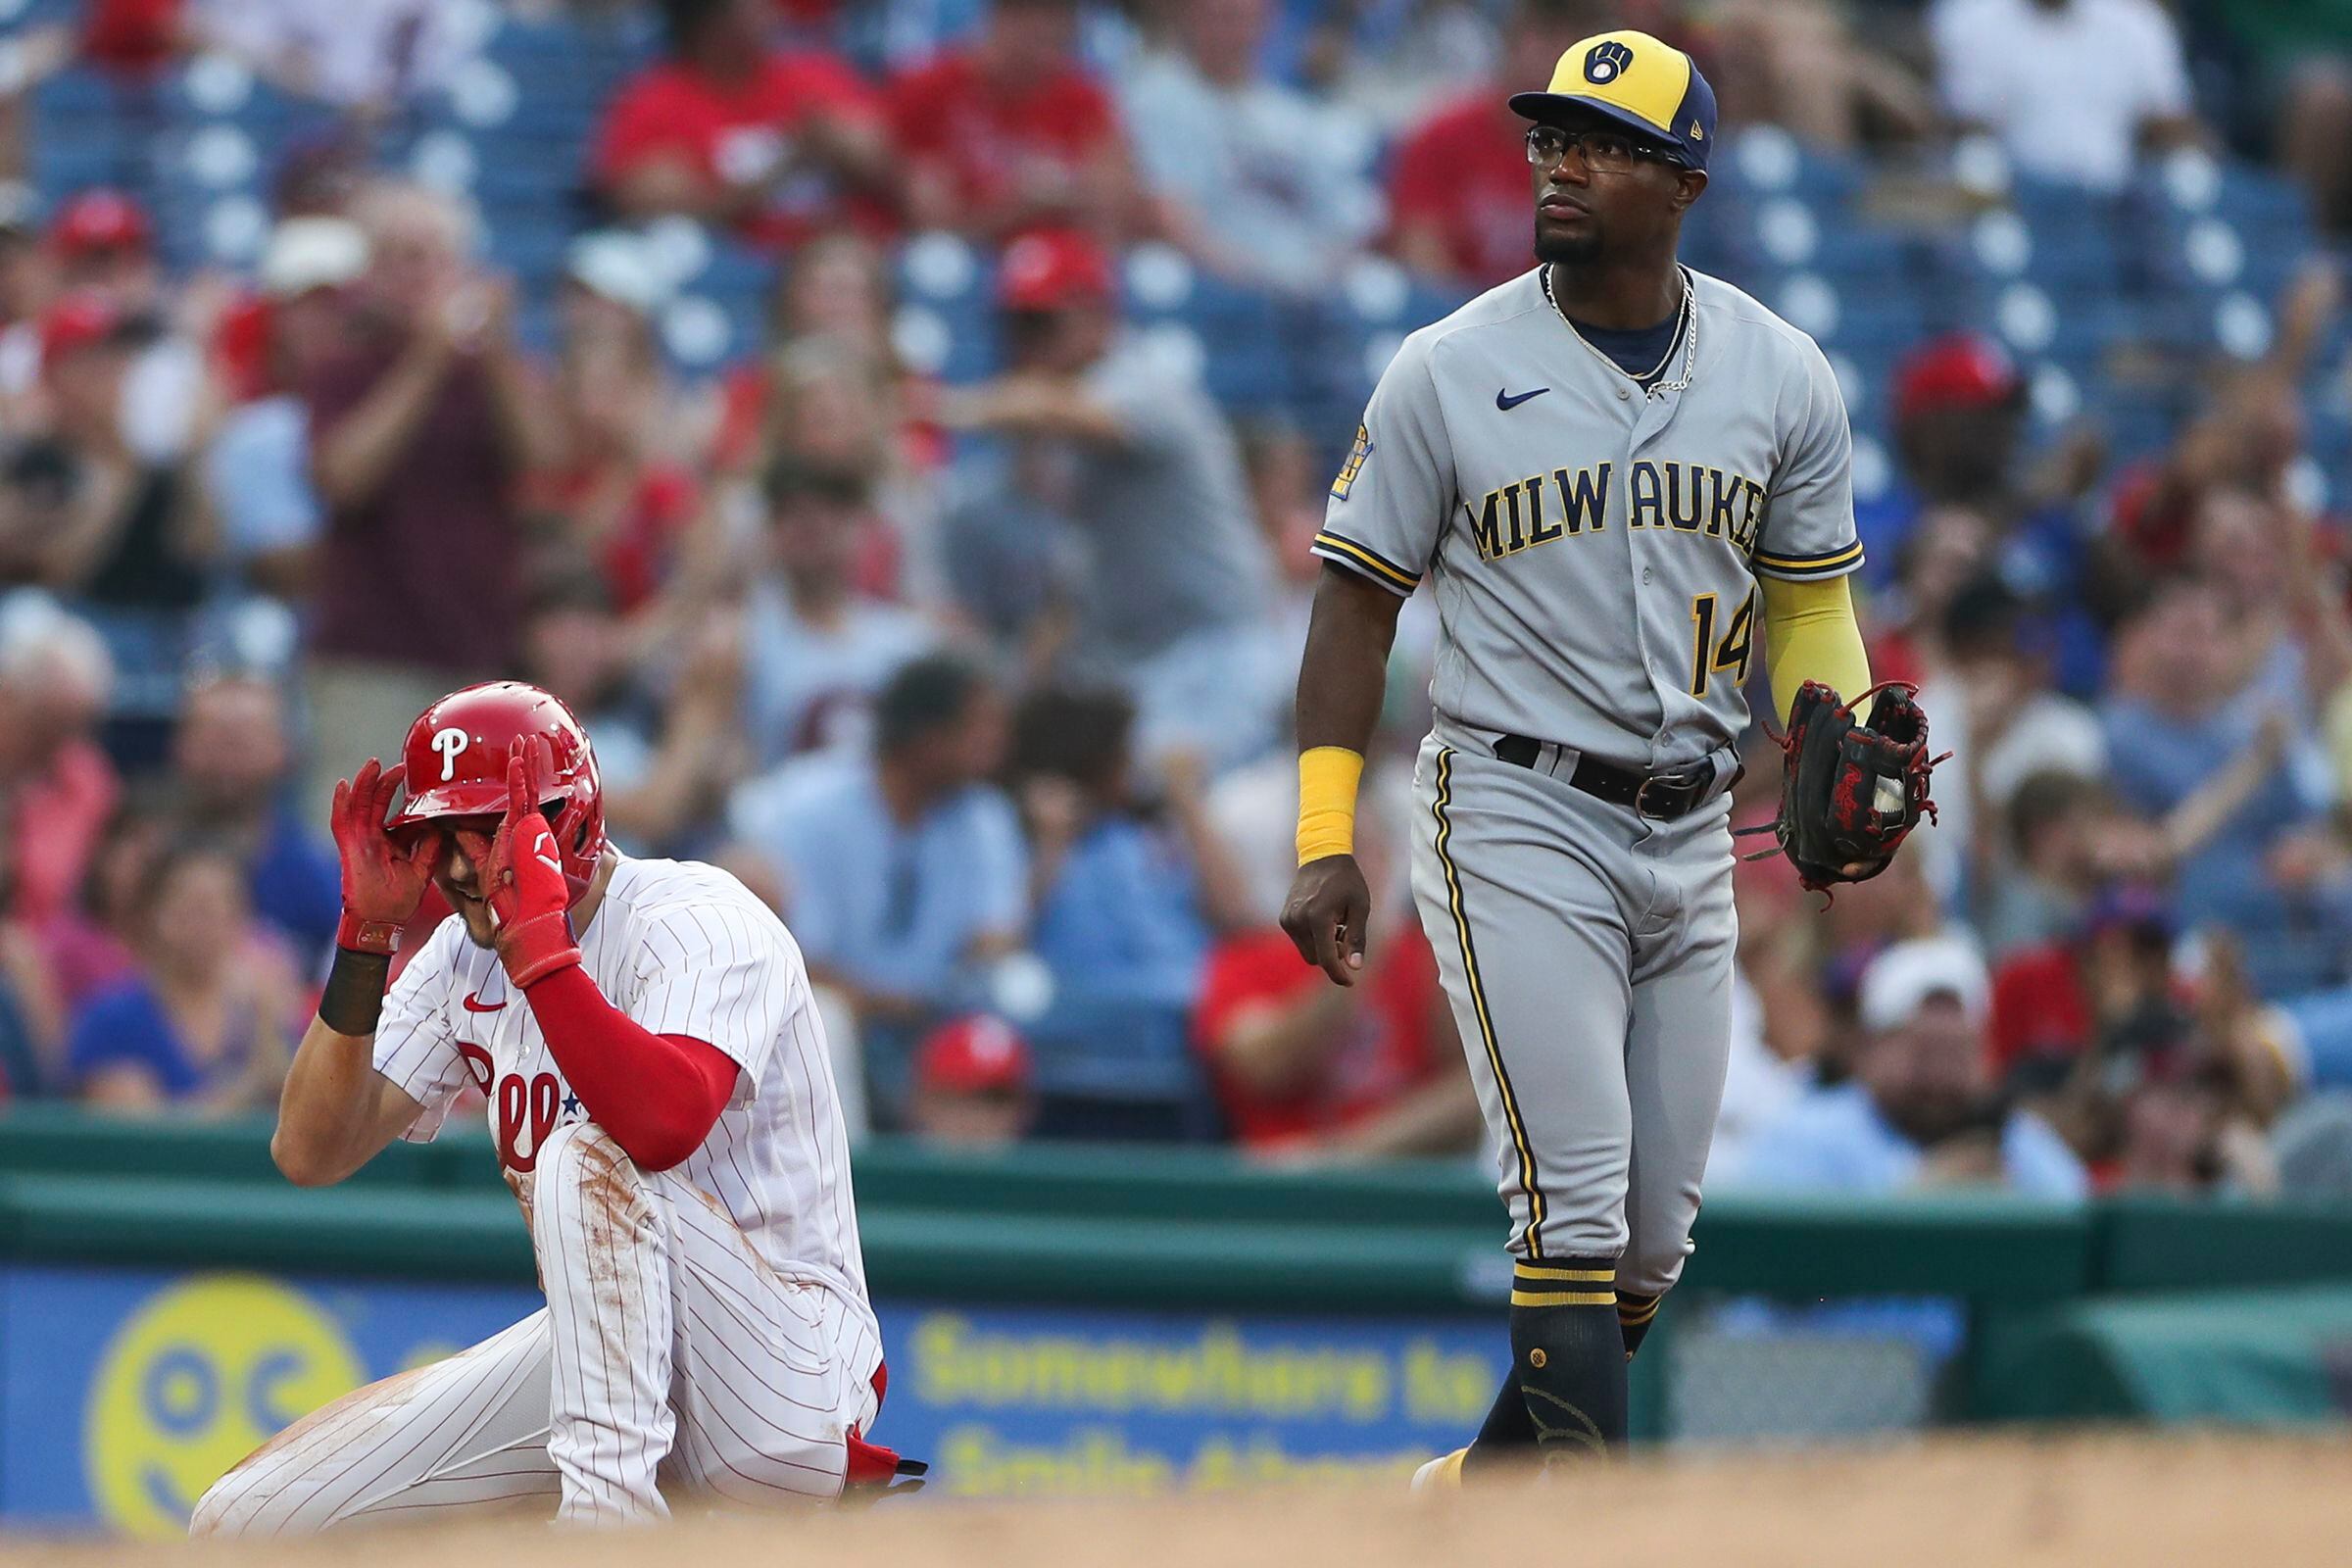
(1643, 83)
(1606, 60)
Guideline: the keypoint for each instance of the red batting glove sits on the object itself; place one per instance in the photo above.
(383, 881)
(522, 878)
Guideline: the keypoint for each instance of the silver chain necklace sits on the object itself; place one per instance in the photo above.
(1685, 333)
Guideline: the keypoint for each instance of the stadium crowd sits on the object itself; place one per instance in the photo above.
(981, 678)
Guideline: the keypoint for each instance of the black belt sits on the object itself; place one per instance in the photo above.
(1663, 796)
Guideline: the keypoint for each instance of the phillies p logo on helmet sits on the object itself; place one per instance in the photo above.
(456, 751)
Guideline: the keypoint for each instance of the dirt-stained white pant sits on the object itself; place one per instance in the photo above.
(1588, 954)
(669, 1356)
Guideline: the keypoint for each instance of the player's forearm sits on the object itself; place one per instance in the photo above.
(1810, 634)
(335, 1111)
(1340, 682)
(327, 1109)
(1344, 674)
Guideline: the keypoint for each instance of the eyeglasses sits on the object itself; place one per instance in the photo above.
(1606, 152)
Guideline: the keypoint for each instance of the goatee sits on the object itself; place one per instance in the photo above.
(1571, 250)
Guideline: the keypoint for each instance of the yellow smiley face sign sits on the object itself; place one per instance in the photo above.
(195, 1380)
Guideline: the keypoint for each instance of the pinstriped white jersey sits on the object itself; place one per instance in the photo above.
(682, 949)
(1594, 543)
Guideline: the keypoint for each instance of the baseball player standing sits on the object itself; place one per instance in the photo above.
(1608, 469)
(664, 1109)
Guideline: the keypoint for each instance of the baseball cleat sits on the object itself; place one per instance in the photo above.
(1442, 1473)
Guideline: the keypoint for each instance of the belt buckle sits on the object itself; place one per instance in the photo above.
(1685, 779)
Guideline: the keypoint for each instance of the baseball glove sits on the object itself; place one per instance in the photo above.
(1850, 791)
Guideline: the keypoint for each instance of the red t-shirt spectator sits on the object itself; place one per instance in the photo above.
(634, 556)
(1462, 175)
(132, 35)
(425, 572)
(2039, 1009)
(983, 142)
(1388, 1051)
(730, 132)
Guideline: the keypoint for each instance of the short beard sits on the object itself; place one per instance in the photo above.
(1572, 251)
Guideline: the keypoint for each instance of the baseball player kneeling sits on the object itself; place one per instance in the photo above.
(1609, 470)
(664, 1109)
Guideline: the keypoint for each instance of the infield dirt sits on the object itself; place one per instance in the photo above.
(2015, 1502)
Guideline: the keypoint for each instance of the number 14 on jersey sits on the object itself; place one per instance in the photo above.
(1707, 656)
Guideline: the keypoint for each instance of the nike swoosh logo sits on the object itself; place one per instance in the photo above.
(475, 1003)
(1506, 402)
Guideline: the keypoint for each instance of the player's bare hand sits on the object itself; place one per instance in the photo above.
(1326, 916)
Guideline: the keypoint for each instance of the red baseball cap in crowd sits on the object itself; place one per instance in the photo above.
(101, 220)
(972, 1056)
(77, 322)
(1051, 269)
(1957, 370)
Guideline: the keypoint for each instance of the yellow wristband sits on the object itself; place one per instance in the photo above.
(1328, 776)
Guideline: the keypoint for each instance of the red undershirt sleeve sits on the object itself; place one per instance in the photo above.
(657, 1095)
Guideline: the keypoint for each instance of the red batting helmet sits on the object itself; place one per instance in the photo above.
(456, 754)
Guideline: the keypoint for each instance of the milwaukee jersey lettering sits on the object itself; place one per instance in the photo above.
(1595, 550)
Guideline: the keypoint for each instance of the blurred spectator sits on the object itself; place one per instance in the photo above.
(2107, 979)
(831, 319)
(2199, 703)
(57, 784)
(777, 143)
(31, 1030)
(1921, 1109)
(1960, 409)
(972, 1085)
(104, 245)
(231, 772)
(257, 470)
(618, 494)
(1462, 203)
(1012, 132)
(816, 648)
(2250, 436)
(1769, 1067)
(1260, 181)
(903, 874)
(81, 511)
(418, 437)
(1393, 59)
(365, 56)
(26, 282)
(206, 1020)
(2072, 88)
(1799, 65)
(2184, 1074)
(1988, 687)
(1303, 1067)
(2067, 836)
(1127, 900)
(666, 769)
(1175, 610)
(87, 947)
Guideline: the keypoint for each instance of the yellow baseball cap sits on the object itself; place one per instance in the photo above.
(1641, 82)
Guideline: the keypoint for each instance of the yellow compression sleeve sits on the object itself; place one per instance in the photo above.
(1328, 776)
(1810, 634)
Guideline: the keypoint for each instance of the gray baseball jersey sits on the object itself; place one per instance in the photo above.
(1594, 547)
